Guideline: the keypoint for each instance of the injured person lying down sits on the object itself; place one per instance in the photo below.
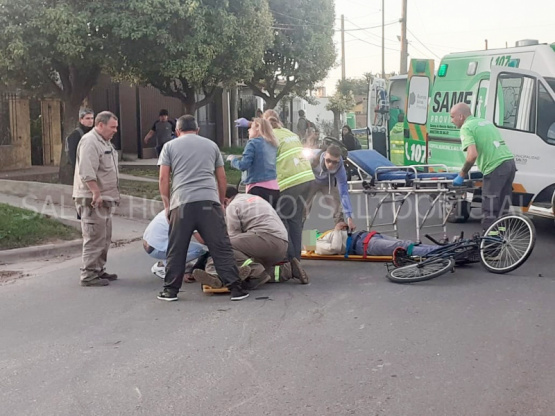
(364, 243)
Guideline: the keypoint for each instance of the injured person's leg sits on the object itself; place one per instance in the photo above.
(383, 245)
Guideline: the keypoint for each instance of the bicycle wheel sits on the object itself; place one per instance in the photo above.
(418, 272)
(507, 244)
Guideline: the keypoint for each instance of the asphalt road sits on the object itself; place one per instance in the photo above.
(349, 343)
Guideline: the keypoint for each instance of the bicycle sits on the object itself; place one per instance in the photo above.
(504, 247)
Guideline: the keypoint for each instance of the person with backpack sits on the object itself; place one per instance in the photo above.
(86, 122)
(349, 139)
(304, 127)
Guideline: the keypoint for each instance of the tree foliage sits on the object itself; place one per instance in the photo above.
(302, 51)
(343, 100)
(179, 46)
(53, 48)
(195, 46)
(50, 47)
(358, 86)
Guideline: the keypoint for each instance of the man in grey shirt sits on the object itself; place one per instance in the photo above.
(196, 204)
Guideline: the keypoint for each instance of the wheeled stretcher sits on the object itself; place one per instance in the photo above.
(395, 185)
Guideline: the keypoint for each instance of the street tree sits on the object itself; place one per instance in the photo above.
(358, 86)
(302, 51)
(52, 48)
(195, 47)
(343, 100)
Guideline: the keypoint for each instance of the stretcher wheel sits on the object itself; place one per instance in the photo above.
(460, 212)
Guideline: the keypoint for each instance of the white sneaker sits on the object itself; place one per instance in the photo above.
(159, 271)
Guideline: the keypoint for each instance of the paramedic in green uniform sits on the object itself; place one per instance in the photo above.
(484, 145)
(397, 142)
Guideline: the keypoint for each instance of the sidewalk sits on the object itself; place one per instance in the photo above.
(128, 223)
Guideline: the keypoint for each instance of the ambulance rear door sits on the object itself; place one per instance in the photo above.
(521, 103)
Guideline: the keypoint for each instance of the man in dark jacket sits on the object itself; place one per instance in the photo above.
(86, 121)
(163, 129)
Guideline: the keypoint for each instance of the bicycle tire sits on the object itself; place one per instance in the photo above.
(419, 272)
(517, 236)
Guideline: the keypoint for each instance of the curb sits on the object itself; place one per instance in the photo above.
(17, 254)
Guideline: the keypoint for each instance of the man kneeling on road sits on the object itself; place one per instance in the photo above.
(155, 243)
(258, 238)
(364, 243)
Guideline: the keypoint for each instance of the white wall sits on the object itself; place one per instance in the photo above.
(317, 112)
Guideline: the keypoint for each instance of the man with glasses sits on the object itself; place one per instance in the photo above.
(331, 182)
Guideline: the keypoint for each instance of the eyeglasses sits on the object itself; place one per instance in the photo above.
(332, 161)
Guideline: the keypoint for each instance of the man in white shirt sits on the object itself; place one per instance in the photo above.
(155, 243)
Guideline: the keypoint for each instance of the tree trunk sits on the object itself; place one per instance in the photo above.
(336, 123)
(70, 121)
(190, 105)
(271, 103)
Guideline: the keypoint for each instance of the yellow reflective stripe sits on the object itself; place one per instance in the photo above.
(276, 274)
(288, 153)
(293, 178)
(247, 262)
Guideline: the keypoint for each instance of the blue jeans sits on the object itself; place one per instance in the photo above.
(194, 252)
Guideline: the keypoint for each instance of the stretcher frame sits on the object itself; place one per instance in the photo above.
(395, 192)
(311, 255)
(211, 290)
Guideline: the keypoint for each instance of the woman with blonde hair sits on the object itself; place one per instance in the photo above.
(258, 162)
(294, 175)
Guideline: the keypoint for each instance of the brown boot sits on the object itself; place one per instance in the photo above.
(207, 279)
(97, 282)
(298, 272)
(108, 276)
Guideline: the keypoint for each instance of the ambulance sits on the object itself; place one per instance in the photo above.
(512, 87)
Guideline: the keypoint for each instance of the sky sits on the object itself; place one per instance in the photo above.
(435, 28)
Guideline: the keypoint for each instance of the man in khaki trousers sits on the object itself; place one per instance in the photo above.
(258, 238)
(96, 194)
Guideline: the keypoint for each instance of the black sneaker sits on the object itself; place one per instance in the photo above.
(237, 292)
(253, 284)
(167, 296)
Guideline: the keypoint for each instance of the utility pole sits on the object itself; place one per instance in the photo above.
(383, 40)
(404, 42)
(486, 41)
(342, 47)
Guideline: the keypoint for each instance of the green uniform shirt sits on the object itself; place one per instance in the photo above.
(397, 144)
(292, 168)
(492, 150)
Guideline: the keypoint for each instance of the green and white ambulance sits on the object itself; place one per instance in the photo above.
(513, 88)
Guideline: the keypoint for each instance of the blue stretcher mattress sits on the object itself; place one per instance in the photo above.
(370, 160)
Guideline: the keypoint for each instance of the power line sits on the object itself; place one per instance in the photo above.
(370, 43)
(372, 27)
(416, 49)
(428, 49)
